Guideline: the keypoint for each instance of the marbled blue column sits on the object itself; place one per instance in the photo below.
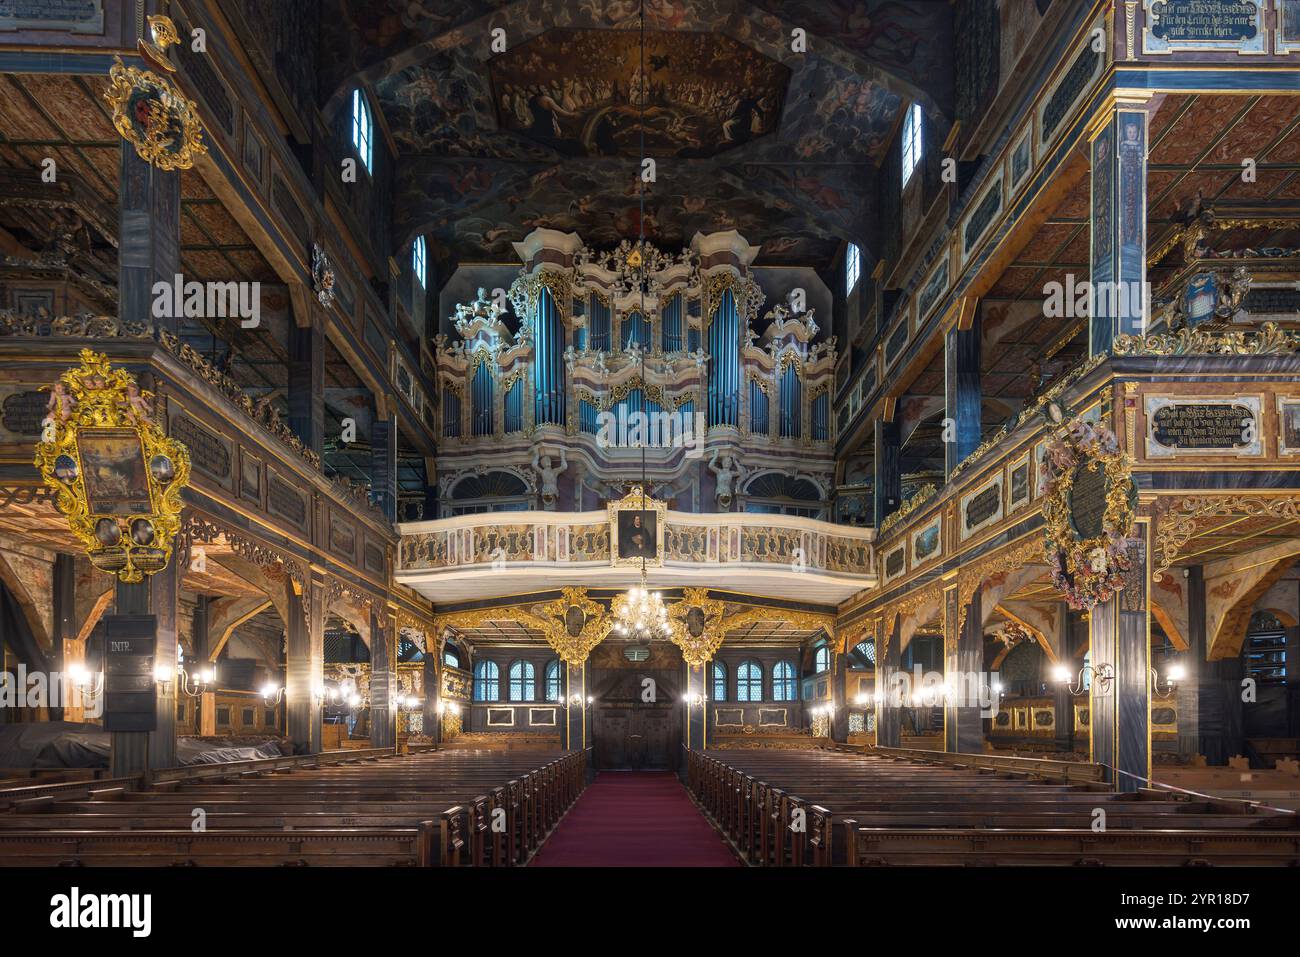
(575, 713)
(1119, 635)
(1118, 228)
(962, 394)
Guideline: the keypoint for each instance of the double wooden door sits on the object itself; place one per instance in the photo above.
(633, 736)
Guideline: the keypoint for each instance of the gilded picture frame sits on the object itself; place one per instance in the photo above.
(636, 530)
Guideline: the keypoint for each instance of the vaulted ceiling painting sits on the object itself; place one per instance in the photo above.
(749, 134)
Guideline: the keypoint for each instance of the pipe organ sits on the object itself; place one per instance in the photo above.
(607, 356)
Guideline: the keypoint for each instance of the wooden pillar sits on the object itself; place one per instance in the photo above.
(1118, 225)
(839, 697)
(383, 460)
(696, 722)
(889, 709)
(432, 681)
(149, 226)
(135, 751)
(575, 706)
(383, 684)
(1120, 636)
(306, 394)
(305, 666)
(963, 666)
(962, 393)
(64, 649)
(888, 487)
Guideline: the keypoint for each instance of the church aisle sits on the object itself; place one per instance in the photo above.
(634, 819)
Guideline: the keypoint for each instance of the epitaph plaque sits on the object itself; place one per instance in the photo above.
(1227, 426)
(1088, 500)
(1204, 25)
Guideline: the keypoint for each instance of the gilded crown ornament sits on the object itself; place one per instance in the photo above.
(115, 475)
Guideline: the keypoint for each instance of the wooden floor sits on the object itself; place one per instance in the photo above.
(454, 808)
(821, 807)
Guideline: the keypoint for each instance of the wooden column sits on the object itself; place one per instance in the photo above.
(149, 226)
(889, 712)
(962, 393)
(839, 697)
(383, 460)
(64, 649)
(696, 721)
(432, 689)
(1120, 636)
(383, 684)
(1118, 224)
(135, 751)
(305, 666)
(575, 706)
(888, 487)
(963, 667)
(306, 394)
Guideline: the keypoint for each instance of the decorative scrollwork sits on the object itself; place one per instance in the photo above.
(116, 476)
(697, 625)
(1268, 340)
(574, 624)
(923, 495)
(1179, 523)
(152, 115)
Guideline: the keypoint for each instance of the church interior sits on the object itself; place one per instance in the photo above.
(652, 433)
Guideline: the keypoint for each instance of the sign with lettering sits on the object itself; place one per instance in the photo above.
(1212, 426)
(1018, 484)
(285, 501)
(1230, 25)
(74, 16)
(130, 693)
(22, 412)
(896, 562)
(981, 507)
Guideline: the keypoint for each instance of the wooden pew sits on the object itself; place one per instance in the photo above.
(428, 808)
(889, 804)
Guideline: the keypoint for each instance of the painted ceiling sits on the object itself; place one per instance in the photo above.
(780, 145)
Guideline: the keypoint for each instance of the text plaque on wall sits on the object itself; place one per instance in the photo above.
(1204, 25)
(130, 691)
(1178, 426)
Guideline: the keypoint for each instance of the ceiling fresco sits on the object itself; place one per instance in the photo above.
(782, 146)
(703, 93)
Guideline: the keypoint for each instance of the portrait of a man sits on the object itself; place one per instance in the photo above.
(636, 534)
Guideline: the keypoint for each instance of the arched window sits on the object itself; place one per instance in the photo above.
(363, 130)
(553, 680)
(419, 261)
(451, 659)
(749, 681)
(822, 660)
(487, 681)
(852, 267)
(719, 681)
(784, 687)
(523, 681)
(912, 144)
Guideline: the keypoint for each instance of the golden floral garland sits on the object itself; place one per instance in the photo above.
(1088, 570)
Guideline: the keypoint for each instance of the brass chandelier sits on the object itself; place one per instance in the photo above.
(639, 612)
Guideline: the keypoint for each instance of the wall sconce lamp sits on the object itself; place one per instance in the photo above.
(1173, 675)
(1102, 676)
(90, 686)
(272, 694)
(694, 700)
(203, 680)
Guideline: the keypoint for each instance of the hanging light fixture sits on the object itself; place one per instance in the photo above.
(640, 612)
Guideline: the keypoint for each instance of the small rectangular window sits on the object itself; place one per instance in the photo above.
(912, 145)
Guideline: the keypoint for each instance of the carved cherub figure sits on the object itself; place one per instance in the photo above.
(61, 402)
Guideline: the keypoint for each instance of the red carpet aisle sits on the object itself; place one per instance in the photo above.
(634, 819)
